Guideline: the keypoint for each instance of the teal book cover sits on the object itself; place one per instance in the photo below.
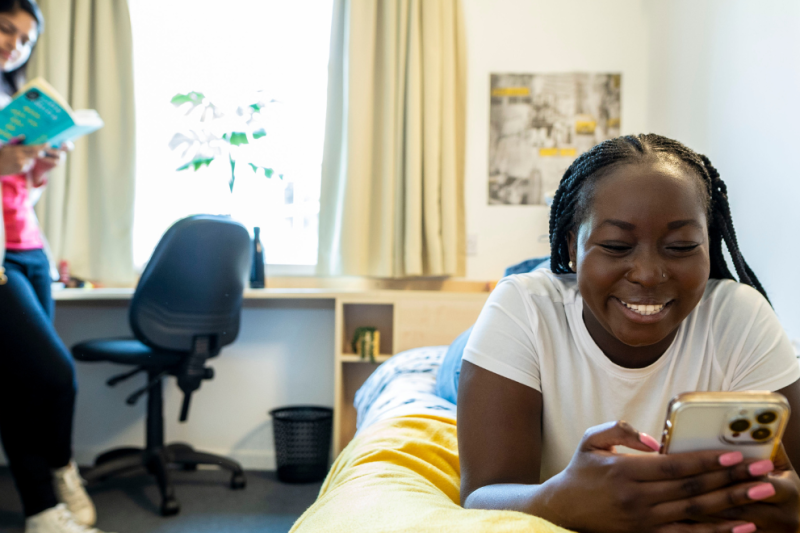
(40, 114)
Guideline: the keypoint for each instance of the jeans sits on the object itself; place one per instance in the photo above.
(37, 381)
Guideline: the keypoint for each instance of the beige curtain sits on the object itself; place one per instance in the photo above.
(392, 201)
(86, 211)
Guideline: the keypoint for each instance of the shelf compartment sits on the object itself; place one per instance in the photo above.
(352, 358)
(379, 316)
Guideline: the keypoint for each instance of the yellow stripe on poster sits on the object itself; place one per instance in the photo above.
(585, 126)
(511, 91)
(564, 152)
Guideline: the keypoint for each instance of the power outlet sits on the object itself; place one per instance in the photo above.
(472, 245)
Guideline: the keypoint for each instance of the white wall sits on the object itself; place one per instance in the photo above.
(722, 76)
(539, 36)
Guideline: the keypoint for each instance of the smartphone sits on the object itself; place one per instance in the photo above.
(751, 422)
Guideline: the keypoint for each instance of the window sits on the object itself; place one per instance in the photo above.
(229, 51)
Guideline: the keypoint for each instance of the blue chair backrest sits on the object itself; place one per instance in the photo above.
(193, 285)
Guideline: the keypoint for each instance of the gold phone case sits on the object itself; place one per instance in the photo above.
(751, 422)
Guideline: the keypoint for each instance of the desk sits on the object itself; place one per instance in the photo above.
(406, 319)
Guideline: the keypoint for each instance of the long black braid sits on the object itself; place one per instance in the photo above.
(574, 195)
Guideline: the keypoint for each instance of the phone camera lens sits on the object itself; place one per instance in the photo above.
(740, 425)
(767, 417)
(761, 434)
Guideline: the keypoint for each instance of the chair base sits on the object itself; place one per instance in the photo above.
(157, 463)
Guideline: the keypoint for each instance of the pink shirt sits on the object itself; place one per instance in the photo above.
(22, 231)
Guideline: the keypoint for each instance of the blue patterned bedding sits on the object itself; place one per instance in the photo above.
(402, 386)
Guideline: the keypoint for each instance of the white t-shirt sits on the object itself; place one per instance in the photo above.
(531, 330)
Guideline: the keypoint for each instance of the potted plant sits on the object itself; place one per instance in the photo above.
(215, 133)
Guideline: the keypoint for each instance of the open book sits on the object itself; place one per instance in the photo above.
(43, 116)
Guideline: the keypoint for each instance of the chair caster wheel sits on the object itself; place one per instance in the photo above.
(238, 481)
(170, 507)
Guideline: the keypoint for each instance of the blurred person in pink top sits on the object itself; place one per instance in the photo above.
(23, 168)
(37, 372)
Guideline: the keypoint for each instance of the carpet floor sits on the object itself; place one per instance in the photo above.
(129, 504)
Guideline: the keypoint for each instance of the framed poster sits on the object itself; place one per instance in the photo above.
(539, 124)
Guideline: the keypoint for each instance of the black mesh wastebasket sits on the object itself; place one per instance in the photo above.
(302, 442)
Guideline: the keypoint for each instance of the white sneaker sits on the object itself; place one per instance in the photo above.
(69, 490)
(57, 519)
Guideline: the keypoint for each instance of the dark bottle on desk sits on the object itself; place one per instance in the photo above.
(257, 270)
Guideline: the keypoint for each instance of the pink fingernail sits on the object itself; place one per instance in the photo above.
(761, 467)
(761, 492)
(744, 528)
(649, 441)
(731, 458)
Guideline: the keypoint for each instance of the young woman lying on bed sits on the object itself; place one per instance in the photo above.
(639, 306)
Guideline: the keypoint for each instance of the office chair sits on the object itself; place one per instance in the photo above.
(185, 308)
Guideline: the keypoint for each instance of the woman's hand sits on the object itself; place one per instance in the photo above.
(48, 160)
(779, 512)
(18, 158)
(601, 490)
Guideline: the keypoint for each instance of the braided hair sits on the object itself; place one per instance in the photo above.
(574, 195)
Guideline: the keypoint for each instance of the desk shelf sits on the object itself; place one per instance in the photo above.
(406, 317)
(353, 358)
(352, 370)
(406, 320)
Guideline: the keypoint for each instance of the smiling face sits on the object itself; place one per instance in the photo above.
(642, 257)
(18, 34)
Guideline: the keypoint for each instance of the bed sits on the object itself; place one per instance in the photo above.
(401, 471)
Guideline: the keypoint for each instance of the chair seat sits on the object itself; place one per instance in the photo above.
(125, 352)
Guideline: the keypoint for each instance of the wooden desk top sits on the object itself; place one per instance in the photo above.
(87, 295)
(357, 295)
